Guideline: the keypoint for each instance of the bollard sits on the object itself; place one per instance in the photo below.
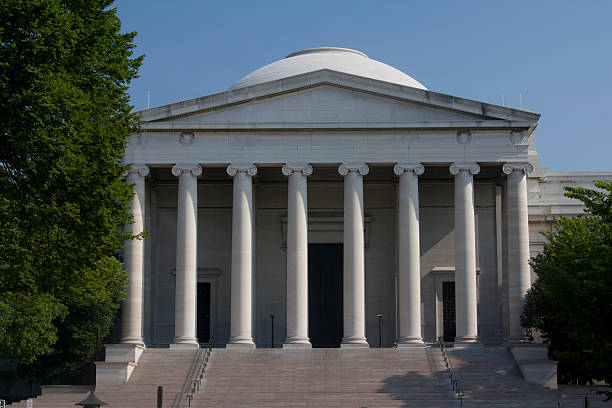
(272, 318)
(160, 396)
(380, 316)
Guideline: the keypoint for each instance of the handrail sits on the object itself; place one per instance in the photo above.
(197, 382)
(452, 376)
(561, 403)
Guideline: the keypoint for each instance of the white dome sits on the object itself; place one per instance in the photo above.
(332, 58)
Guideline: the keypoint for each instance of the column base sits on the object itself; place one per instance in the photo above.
(240, 343)
(406, 342)
(297, 342)
(354, 342)
(467, 341)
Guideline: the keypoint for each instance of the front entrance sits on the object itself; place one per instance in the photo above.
(448, 311)
(325, 262)
(203, 312)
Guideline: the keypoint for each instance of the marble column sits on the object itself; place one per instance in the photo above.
(465, 253)
(519, 272)
(186, 256)
(354, 256)
(409, 257)
(133, 259)
(242, 256)
(297, 255)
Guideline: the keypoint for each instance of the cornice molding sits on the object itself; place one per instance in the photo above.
(141, 169)
(248, 168)
(193, 169)
(456, 167)
(346, 168)
(401, 168)
(304, 168)
(525, 167)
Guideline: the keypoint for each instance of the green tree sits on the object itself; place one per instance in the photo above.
(64, 119)
(571, 301)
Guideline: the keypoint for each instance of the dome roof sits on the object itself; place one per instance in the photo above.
(332, 58)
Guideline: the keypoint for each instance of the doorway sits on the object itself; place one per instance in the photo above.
(325, 294)
(203, 331)
(448, 311)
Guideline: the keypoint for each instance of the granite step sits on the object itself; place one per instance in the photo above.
(412, 377)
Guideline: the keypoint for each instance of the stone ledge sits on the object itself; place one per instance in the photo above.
(113, 373)
(64, 389)
(123, 353)
(533, 362)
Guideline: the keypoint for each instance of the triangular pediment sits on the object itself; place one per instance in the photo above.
(327, 97)
(327, 104)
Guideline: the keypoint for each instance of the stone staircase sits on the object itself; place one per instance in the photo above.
(490, 377)
(410, 377)
(171, 369)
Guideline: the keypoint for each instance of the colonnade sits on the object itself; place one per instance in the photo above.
(409, 270)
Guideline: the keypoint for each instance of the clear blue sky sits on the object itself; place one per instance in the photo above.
(558, 54)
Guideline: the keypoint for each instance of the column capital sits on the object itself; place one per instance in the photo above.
(248, 168)
(472, 167)
(416, 168)
(141, 169)
(525, 167)
(194, 169)
(304, 168)
(346, 168)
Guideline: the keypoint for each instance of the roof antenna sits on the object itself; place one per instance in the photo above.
(148, 99)
(503, 100)
(521, 100)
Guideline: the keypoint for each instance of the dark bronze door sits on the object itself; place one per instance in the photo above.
(448, 311)
(203, 312)
(325, 294)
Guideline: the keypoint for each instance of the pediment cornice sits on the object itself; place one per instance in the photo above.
(481, 114)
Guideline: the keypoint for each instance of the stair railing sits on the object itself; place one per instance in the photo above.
(452, 375)
(199, 377)
(561, 403)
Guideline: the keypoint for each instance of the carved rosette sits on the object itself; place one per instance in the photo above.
(401, 168)
(464, 137)
(141, 169)
(346, 168)
(525, 167)
(248, 168)
(473, 168)
(193, 169)
(304, 168)
(187, 138)
(517, 136)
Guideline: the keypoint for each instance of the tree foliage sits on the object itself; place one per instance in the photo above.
(571, 301)
(64, 120)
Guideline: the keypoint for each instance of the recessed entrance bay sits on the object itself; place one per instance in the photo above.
(325, 294)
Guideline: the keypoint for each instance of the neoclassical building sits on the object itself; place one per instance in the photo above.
(326, 191)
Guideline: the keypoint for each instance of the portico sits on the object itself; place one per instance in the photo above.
(405, 179)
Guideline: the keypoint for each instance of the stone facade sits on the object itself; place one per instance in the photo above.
(421, 188)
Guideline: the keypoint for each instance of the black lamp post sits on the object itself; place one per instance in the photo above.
(380, 316)
(92, 401)
(272, 318)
